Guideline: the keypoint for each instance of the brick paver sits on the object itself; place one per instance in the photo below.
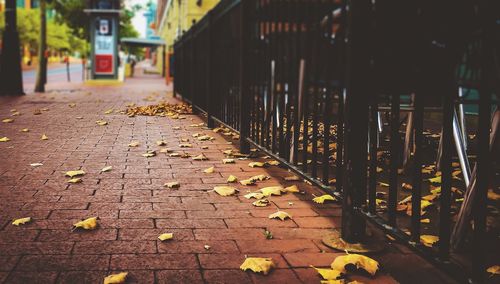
(134, 207)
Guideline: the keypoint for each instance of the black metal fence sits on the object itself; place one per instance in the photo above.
(336, 90)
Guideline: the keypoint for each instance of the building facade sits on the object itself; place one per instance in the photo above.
(175, 17)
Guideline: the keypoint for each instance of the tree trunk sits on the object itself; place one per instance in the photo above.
(41, 78)
(10, 68)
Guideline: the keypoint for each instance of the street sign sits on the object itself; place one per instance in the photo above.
(104, 47)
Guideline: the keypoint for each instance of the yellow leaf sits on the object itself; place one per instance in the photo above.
(108, 111)
(428, 240)
(175, 154)
(116, 278)
(4, 139)
(209, 170)
(328, 274)
(106, 169)
(101, 122)
(232, 178)
(200, 157)
(425, 221)
(436, 190)
(495, 269)
(167, 236)
(204, 138)
(292, 178)
(281, 215)
(407, 186)
(133, 144)
(436, 179)
(272, 190)
(185, 145)
(256, 165)
(360, 261)
(383, 184)
(493, 195)
(161, 143)
(258, 264)
(259, 177)
(256, 195)
(321, 199)
(8, 120)
(261, 203)
(379, 170)
(21, 221)
(273, 163)
(247, 182)
(75, 180)
(75, 173)
(36, 164)
(44, 137)
(228, 161)
(25, 130)
(174, 184)
(456, 173)
(165, 150)
(72, 105)
(87, 224)
(225, 190)
(292, 188)
(149, 154)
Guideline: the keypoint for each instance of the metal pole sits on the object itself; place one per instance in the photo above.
(10, 67)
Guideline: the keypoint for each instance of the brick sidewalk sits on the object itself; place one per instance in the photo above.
(135, 208)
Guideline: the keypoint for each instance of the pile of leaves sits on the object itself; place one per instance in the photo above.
(161, 109)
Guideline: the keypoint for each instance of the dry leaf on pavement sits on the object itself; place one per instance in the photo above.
(21, 221)
(258, 264)
(225, 190)
(87, 224)
(328, 274)
(75, 173)
(106, 169)
(166, 236)
(232, 178)
(174, 184)
(321, 199)
(360, 261)
(281, 215)
(118, 278)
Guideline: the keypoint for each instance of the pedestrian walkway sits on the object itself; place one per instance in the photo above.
(212, 234)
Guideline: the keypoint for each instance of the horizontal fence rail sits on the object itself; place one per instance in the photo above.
(388, 105)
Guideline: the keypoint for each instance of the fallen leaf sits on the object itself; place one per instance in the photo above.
(174, 184)
(321, 199)
(436, 179)
(259, 177)
(108, 111)
(185, 145)
(36, 164)
(204, 138)
(72, 105)
(360, 261)
(44, 137)
(258, 264)
(247, 182)
(256, 195)
(407, 186)
(161, 143)
(106, 169)
(37, 112)
(4, 139)
(209, 170)
(228, 161)
(493, 195)
(256, 164)
(328, 274)
(281, 215)
(207, 247)
(133, 144)
(8, 120)
(379, 170)
(428, 240)
(101, 122)
(272, 190)
(149, 154)
(292, 188)
(116, 278)
(75, 180)
(425, 221)
(175, 154)
(87, 224)
(21, 221)
(200, 157)
(225, 190)
(75, 173)
(495, 269)
(232, 178)
(167, 236)
(165, 150)
(261, 203)
(292, 178)
(383, 184)
(273, 163)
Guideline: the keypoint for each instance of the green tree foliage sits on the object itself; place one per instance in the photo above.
(60, 36)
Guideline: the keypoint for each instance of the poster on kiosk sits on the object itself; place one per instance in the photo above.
(104, 47)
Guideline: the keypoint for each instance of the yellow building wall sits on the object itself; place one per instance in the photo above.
(178, 18)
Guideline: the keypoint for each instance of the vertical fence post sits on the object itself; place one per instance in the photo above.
(210, 94)
(356, 120)
(245, 73)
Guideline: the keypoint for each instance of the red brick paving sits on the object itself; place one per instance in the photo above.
(134, 207)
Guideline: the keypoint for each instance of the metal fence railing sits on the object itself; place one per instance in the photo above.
(344, 93)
